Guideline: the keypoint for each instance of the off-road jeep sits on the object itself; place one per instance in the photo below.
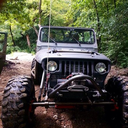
(3, 43)
(70, 73)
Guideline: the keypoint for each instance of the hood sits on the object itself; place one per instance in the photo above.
(69, 53)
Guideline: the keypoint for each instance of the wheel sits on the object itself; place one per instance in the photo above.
(117, 87)
(18, 95)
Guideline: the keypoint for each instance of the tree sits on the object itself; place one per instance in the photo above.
(20, 16)
(118, 31)
(107, 17)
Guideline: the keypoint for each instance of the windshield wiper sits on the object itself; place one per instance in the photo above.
(53, 40)
(50, 38)
(76, 40)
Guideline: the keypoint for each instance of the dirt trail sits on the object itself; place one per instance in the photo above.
(19, 64)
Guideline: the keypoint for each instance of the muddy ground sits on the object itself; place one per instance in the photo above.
(19, 64)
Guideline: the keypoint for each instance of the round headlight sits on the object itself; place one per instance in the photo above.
(52, 66)
(100, 67)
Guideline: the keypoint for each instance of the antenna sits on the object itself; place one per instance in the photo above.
(49, 31)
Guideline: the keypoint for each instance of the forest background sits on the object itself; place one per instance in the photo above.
(109, 18)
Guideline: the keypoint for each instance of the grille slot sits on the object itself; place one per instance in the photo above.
(69, 66)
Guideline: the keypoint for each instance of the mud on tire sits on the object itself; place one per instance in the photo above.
(16, 105)
(118, 90)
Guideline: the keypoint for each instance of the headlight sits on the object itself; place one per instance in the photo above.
(100, 67)
(52, 66)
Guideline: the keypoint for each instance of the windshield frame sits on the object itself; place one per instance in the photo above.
(68, 29)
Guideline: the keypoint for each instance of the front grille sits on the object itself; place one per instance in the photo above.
(70, 66)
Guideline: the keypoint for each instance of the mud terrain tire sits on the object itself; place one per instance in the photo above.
(16, 106)
(118, 89)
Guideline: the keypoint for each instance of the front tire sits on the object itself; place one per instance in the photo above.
(16, 105)
(117, 87)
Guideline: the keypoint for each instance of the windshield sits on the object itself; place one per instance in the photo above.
(67, 35)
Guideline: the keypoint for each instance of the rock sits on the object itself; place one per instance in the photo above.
(45, 112)
(55, 117)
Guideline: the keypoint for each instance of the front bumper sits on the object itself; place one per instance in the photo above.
(56, 90)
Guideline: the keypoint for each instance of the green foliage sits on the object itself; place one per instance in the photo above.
(108, 18)
(22, 16)
(22, 42)
(11, 49)
(117, 48)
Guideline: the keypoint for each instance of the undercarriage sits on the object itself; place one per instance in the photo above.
(77, 90)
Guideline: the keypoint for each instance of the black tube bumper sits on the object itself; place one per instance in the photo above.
(76, 77)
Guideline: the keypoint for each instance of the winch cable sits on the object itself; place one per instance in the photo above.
(44, 85)
(49, 32)
(47, 73)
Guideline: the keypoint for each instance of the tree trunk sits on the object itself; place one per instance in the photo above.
(1, 2)
(115, 3)
(36, 31)
(12, 36)
(40, 12)
(98, 23)
(28, 41)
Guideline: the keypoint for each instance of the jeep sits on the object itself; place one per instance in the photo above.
(70, 73)
(3, 44)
